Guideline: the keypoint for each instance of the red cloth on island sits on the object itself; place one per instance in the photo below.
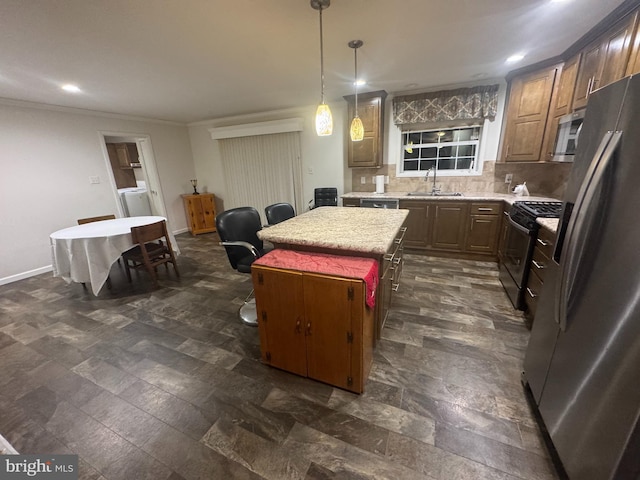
(341, 266)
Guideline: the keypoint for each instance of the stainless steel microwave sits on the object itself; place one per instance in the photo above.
(569, 127)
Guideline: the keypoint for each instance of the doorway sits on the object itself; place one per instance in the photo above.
(134, 177)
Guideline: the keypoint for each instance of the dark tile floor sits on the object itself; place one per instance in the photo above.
(167, 383)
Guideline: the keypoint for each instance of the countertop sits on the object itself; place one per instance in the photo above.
(510, 198)
(550, 224)
(367, 230)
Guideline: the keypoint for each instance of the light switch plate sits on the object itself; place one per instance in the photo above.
(363, 180)
(508, 177)
(94, 180)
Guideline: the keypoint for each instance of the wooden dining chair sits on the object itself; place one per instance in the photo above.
(82, 221)
(153, 248)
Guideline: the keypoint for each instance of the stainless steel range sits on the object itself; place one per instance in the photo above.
(520, 240)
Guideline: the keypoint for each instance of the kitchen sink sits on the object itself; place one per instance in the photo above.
(435, 194)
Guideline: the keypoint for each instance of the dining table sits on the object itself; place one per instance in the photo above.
(85, 253)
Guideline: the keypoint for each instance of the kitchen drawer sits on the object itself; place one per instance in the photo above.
(546, 242)
(539, 263)
(486, 208)
(531, 294)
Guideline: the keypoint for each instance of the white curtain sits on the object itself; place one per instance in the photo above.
(262, 170)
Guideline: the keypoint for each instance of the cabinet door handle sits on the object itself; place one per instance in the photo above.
(531, 293)
(298, 325)
(589, 84)
(485, 209)
(537, 265)
(308, 328)
(542, 242)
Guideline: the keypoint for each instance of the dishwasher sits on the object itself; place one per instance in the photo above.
(379, 203)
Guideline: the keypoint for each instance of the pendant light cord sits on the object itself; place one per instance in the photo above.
(321, 59)
(355, 53)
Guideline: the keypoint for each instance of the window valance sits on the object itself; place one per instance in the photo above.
(461, 104)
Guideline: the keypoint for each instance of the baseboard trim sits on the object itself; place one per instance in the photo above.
(23, 275)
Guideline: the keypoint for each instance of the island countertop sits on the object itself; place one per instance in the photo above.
(366, 230)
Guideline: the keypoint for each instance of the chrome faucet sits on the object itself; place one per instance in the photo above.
(434, 189)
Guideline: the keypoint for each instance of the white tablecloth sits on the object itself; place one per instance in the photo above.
(85, 253)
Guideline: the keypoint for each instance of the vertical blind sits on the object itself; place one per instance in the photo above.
(262, 170)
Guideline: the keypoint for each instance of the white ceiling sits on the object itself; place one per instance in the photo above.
(191, 60)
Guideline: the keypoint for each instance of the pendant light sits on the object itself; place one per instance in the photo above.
(324, 120)
(357, 129)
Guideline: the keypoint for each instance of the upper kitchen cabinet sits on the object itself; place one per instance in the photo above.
(123, 176)
(605, 60)
(127, 154)
(633, 66)
(561, 103)
(368, 152)
(527, 112)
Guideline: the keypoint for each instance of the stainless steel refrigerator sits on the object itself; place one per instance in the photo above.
(583, 359)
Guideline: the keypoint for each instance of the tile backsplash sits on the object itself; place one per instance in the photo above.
(543, 179)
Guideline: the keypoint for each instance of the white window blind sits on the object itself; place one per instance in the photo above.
(261, 170)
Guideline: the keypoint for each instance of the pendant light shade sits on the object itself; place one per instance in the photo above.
(356, 132)
(357, 129)
(324, 120)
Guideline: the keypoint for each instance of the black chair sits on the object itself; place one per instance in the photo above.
(238, 228)
(279, 212)
(325, 197)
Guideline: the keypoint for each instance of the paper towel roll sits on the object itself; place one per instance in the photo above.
(379, 183)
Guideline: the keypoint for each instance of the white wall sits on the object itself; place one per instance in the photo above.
(322, 157)
(46, 158)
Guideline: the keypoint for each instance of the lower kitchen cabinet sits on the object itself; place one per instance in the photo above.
(200, 210)
(462, 228)
(418, 223)
(391, 270)
(449, 226)
(484, 228)
(315, 325)
(540, 260)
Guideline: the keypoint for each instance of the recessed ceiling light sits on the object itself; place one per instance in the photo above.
(71, 88)
(515, 58)
(360, 83)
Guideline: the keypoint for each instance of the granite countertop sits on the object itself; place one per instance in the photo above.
(370, 230)
(550, 224)
(510, 198)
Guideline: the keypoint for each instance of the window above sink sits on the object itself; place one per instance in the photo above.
(452, 151)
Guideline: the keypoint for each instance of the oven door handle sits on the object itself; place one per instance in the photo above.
(517, 226)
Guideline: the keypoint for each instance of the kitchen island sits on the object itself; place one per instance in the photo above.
(362, 232)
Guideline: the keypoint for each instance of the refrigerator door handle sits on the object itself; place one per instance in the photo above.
(575, 228)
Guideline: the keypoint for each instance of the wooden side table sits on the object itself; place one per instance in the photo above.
(201, 212)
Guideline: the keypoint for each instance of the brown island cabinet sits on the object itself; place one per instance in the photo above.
(319, 325)
(367, 232)
(315, 325)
